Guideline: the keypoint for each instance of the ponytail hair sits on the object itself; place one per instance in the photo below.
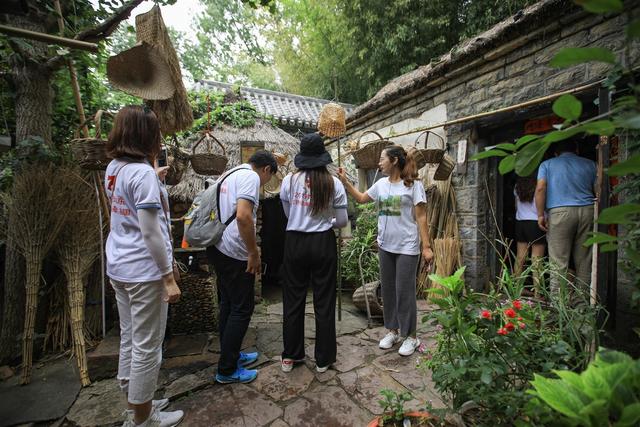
(406, 163)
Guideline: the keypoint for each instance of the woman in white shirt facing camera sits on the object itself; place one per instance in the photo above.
(403, 235)
(315, 203)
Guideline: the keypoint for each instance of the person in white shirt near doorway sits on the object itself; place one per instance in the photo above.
(315, 203)
(403, 235)
(236, 260)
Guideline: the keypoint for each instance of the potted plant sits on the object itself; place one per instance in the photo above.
(394, 414)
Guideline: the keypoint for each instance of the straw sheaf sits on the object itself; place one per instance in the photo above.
(331, 121)
(175, 114)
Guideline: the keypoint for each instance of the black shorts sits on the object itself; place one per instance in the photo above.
(529, 232)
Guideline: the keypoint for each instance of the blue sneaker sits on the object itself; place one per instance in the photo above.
(246, 359)
(241, 375)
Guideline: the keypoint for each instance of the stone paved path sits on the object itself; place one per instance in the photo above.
(345, 395)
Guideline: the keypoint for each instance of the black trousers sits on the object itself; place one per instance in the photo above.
(310, 259)
(236, 302)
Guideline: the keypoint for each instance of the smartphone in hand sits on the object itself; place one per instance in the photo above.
(162, 158)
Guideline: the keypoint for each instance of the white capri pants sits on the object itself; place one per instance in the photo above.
(143, 319)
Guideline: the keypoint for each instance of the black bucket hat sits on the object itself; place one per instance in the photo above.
(312, 153)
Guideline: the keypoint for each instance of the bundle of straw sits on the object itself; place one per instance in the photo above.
(37, 209)
(175, 114)
(77, 249)
(57, 334)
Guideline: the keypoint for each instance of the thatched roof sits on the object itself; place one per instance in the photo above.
(263, 132)
(507, 35)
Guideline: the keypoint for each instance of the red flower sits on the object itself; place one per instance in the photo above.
(510, 312)
(510, 326)
(485, 314)
(521, 325)
(520, 318)
(502, 331)
(517, 305)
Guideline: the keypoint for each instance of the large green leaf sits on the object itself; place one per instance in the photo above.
(561, 135)
(525, 140)
(631, 165)
(596, 385)
(630, 416)
(487, 154)
(568, 107)
(506, 146)
(571, 378)
(507, 164)
(598, 237)
(570, 56)
(558, 395)
(601, 6)
(618, 214)
(595, 413)
(609, 357)
(528, 159)
(630, 121)
(600, 127)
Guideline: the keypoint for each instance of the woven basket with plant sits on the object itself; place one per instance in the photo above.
(208, 163)
(331, 121)
(427, 155)
(91, 153)
(368, 156)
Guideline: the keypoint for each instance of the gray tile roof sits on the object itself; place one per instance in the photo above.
(287, 109)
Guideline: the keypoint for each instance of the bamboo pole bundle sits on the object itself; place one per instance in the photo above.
(57, 334)
(37, 209)
(77, 249)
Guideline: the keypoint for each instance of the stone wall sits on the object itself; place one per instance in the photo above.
(513, 73)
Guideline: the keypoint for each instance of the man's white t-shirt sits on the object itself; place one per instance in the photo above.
(131, 186)
(397, 226)
(299, 197)
(242, 184)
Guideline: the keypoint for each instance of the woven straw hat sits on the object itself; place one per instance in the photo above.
(141, 71)
(331, 122)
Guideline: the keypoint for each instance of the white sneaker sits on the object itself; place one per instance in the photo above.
(128, 422)
(408, 346)
(162, 419)
(321, 369)
(389, 340)
(160, 404)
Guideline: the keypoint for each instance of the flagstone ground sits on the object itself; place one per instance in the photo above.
(345, 395)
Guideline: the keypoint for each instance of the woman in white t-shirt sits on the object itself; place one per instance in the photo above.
(528, 234)
(139, 261)
(314, 202)
(403, 235)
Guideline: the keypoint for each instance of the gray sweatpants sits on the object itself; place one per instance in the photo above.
(398, 280)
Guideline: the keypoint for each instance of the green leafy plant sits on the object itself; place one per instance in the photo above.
(607, 393)
(362, 243)
(393, 406)
(30, 150)
(490, 345)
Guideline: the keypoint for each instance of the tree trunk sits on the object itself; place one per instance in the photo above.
(32, 80)
(13, 304)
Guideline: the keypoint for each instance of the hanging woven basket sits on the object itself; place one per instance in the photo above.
(91, 153)
(331, 121)
(208, 163)
(368, 156)
(443, 172)
(426, 155)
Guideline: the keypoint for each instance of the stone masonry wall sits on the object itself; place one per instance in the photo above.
(506, 78)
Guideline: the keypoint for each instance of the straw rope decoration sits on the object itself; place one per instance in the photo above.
(77, 249)
(37, 214)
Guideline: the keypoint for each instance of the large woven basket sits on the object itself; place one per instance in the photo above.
(375, 303)
(368, 156)
(331, 121)
(426, 155)
(443, 172)
(91, 153)
(208, 163)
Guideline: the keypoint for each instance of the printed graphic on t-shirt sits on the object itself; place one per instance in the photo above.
(390, 206)
(303, 198)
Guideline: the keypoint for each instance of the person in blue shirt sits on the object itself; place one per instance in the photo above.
(566, 191)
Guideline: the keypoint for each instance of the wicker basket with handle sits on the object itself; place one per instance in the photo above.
(368, 156)
(91, 153)
(208, 163)
(443, 172)
(427, 155)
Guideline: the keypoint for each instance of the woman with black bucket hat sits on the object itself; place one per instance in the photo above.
(315, 202)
